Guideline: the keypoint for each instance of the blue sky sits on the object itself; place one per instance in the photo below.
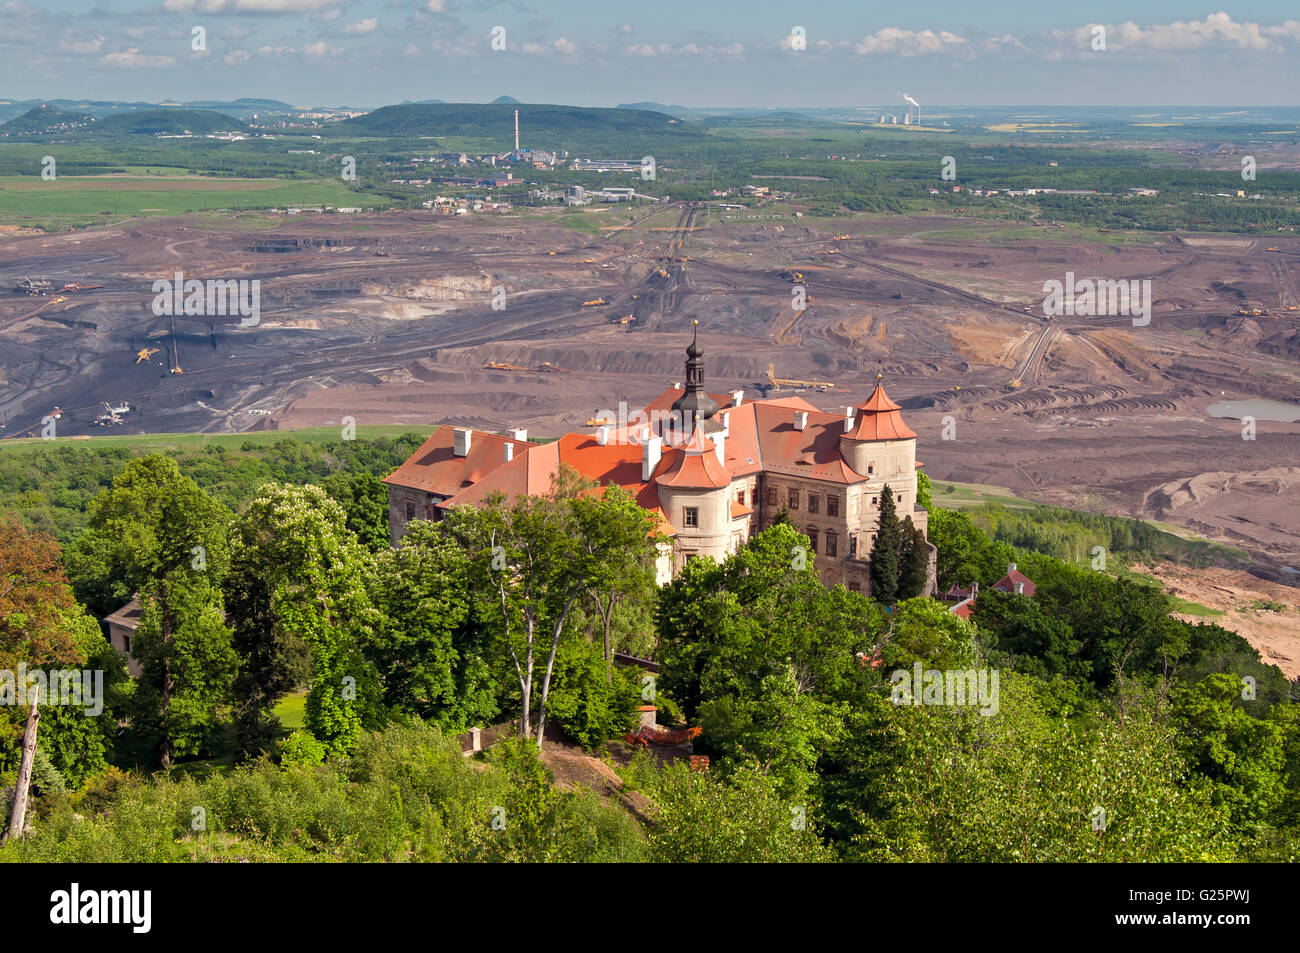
(713, 53)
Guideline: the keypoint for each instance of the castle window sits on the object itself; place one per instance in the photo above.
(832, 506)
(793, 499)
(874, 499)
(771, 496)
(812, 540)
(853, 545)
(410, 511)
(740, 497)
(126, 643)
(832, 541)
(691, 516)
(813, 503)
(871, 468)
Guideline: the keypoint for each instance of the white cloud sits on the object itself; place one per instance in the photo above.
(646, 49)
(436, 6)
(246, 6)
(320, 49)
(329, 16)
(235, 57)
(82, 46)
(558, 47)
(623, 28)
(1216, 30)
(367, 25)
(891, 40)
(133, 58)
(274, 50)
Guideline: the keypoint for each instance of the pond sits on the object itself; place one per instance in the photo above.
(1275, 410)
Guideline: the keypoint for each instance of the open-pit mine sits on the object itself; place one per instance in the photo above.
(496, 321)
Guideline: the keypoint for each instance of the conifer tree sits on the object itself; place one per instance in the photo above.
(886, 552)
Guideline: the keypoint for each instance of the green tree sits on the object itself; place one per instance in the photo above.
(1243, 757)
(311, 589)
(924, 490)
(532, 559)
(163, 537)
(616, 528)
(914, 568)
(430, 651)
(886, 552)
(700, 817)
(762, 655)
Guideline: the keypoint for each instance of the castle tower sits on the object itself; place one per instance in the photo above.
(878, 445)
(695, 408)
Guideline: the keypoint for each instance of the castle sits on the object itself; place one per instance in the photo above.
(714, 468)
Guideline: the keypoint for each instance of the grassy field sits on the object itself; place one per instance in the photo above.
(166, 442)
(292, 710)
(959, 496)
(70, 201)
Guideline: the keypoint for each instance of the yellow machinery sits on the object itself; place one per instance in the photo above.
(594, 302)
(783, 382)
(145, 353)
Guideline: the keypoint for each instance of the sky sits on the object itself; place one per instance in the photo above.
(739, 53)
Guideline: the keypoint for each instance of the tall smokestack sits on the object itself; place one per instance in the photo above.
(516, 130)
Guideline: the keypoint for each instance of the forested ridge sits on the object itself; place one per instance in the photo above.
(1117, 731)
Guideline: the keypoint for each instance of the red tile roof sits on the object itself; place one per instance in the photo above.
(694, 465)
(878, 418)
(435, 468)
(1007, 583)
(618, 463)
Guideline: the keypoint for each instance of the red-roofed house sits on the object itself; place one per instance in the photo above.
(451, 460)
(1016, 582)
(715, 468)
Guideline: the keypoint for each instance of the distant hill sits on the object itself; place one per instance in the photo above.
(506, 101)
(170, 121)
(541, 125)
(657, 108)
(44, 120)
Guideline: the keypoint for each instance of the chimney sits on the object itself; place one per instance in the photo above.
(1019, 588)
(974, 588)
(849, 413)
(1011, 567)
(737, 397)
(520, 435)
(651, 450)
(800, 419)
(460, 445)
(602, 435)
(719, 447)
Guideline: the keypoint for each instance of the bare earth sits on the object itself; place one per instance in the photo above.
(390, 319)
(1275, 634)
